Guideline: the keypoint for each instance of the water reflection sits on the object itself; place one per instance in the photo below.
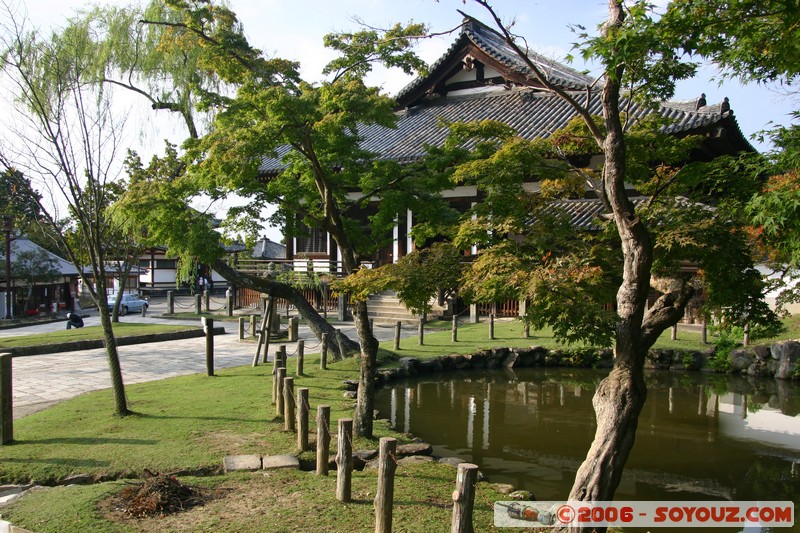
(699, 436)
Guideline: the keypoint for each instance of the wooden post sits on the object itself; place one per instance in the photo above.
(464, 498)
(229, 304)
(421, 331)
(242, 321)
(384, 497)
(344, 460)
(674, 333)
(301, 348)
(491, 326)
(398, 326)
(208, 327)
(280, 374)
(527, 329)
(197, 306)
(144, 311)
(269, 314)
(323, 356)
(276, 364)
(302, 419)
(704, 333)
(263, 335)
(252, 325)
(288, 404)
(454, 335)
(207, 299)
(293, 325)
(171, 302)
(6, 401)
(474, 315)
(323, 438)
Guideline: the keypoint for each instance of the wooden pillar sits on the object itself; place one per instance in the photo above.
(6, 401)
(288, 404)
(454, 333)
(323, 438)
(280, 374)
(491, 326)
(207, 299)
(323, 356)
(704, 333)
(397, 329)
(197, 305)
(170, 302)
(344, 460)
(464, 498)
(302, 419)
(229, 304)
(293, 327)
(253, 325)
(341, 310)
(242, 322)
(301, 348)
(208, 327)
(384, 497)
(473, 314)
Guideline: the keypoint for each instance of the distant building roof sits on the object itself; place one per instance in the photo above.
(23, 244)
(268, 249)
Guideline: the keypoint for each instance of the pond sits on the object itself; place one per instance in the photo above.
(699, 437)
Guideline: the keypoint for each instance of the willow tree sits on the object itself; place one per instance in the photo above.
(66, 138)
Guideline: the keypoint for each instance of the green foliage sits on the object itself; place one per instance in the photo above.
(724, 344)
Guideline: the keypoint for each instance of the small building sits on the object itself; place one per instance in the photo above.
(41, 281)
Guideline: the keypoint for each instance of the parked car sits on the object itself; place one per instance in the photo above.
(130, 303)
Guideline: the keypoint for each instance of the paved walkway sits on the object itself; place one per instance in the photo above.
(40, 381)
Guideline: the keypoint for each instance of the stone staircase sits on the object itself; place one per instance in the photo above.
(386, 308)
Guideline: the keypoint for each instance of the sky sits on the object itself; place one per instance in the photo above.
(293, 29)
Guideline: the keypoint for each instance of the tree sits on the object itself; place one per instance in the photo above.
(638, 61)
(68, 135)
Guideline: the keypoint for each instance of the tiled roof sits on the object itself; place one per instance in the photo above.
(531, 113)
(22, 245)
(268, 249)
(584, 212)
(494, 45)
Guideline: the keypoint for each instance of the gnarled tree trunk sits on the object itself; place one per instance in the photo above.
(282, 290)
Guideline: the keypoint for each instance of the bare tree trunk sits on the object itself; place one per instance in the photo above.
(365, 403)
(281, 290)
(110, 344)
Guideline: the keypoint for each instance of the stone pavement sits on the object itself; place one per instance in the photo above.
(40, 381)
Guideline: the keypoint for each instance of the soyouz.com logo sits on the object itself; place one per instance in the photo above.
(645, 514)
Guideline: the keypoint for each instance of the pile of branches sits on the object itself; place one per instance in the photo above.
(159, 494)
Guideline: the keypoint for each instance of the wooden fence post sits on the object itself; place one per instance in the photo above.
(288, 404)
(280, 374)
(398, 326)
(491, 326)
(207, 299)
(454, 335)
(302, 419)
(252, 325)
(6, 401)
(229, 304)
(704, 333)
(323, 356)
(301, 348)
(464, 498)
(208, 327)
(242, 321)
(170, 302)
(674, 333)
(276, 364)
(344, 460)
(323, 438)
(197, 305)
(293, 325)
(384, 497)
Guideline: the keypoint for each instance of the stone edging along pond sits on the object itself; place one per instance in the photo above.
(779, 360)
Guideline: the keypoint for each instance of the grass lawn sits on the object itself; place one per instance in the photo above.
(189, 423)
(86, 334)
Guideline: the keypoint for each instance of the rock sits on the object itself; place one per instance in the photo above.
(409, 365)
(273, 462)
(758, 369)
(241, 462)
(503, 488)
(415, 459)
(78, 479)
(430, 366)
(373, 465)
(350, 384)
(741, 359)
(417, 448)
(524, 495)
(762, 352)
(788, 362)
(451, 461)
(351, 394)
(366, 455)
